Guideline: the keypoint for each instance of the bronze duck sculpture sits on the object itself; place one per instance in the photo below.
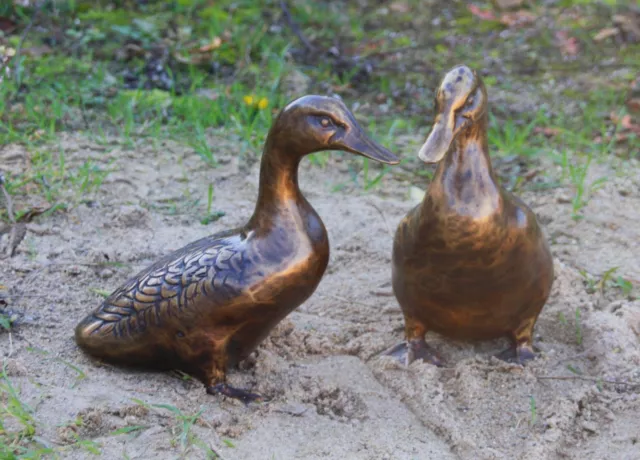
(207, 306)
(470, 262)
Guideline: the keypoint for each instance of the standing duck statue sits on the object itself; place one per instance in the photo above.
(207, 306)
(470, 262)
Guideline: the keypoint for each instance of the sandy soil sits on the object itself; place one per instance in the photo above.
(332, 395)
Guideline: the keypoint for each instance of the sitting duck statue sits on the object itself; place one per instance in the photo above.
(208, 305)
(470, 262)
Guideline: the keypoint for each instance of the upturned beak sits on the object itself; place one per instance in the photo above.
(444, 131)
(356, 141)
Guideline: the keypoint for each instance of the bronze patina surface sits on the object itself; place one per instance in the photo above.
(208, 305)
(470, 262)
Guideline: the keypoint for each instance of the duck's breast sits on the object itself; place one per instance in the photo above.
(298, 249)
(296, 252)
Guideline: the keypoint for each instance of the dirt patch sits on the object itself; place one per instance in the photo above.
(332, 396)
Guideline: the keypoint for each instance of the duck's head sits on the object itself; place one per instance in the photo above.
(315, 123)
(460, 102)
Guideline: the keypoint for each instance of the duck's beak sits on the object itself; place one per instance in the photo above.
(444, 131)
(356, 141)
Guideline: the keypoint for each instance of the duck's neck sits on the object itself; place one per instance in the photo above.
(465, 175)
(278, 187)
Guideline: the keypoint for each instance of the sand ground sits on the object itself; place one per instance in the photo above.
(332, 395)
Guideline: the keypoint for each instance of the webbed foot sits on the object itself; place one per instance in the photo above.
(518, 354)
(412, 350)
(235, 393)
(398, 351)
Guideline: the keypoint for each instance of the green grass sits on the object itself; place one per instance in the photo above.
(79, 373)
(182, 430)
(17, 424)
(228, 66)
(5, 322)
(533, 410)
(508, 137)
(19, 430)
(578, 326)
(608, 281)
(575, 170)
(211, 215)
(227, 73)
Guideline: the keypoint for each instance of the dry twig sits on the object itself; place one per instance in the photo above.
(286, 14)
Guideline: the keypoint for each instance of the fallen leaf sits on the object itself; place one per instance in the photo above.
(368, 47)
(633, 104)
(568, 45)
(619, 137)
(485, 15)
(517, 18)
(37, 51)
(195, 59)
(399, 7)
(629, 25)
(606, 33)
(7, 25)
(215, 44)
(508, 4)
(549, 132)
(627, 124)
(129, 51)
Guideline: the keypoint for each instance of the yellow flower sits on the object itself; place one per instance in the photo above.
(248, 99)
(263, 103)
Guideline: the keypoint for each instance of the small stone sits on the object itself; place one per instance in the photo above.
(416, 194)
(74, 270)
(381, 98)
(106, 273)
(591, 427)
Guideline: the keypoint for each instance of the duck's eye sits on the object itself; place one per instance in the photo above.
(325, 122)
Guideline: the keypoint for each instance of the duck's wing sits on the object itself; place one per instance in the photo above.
(206, 272)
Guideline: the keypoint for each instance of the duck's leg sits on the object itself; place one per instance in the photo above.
(223, 388)
(216, 382)
(521, 350)
(415, 346)
(207, 357)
